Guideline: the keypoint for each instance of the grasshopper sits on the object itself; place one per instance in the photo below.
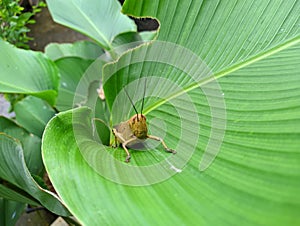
(134, 130)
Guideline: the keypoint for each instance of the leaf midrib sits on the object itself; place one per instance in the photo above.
(225, 72)
(95, 27)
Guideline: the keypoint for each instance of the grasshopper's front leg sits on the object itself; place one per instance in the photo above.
(123, 142)
(162, 142)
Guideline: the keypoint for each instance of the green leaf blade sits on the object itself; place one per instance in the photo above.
(10, 211)
(33, 114)
(13, 169)
(72, 69)
(27, 72)
(226, 33)
(255, 177)
(31, 144)
(98, 20)
(82, 49)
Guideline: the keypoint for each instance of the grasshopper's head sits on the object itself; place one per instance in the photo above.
(137, 123)
(138, 126)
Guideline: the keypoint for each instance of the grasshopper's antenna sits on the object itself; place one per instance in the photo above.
(144, 95)
(131, 103)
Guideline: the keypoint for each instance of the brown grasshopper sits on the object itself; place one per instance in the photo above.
(134, 130)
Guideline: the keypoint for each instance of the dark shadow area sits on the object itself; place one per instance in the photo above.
(45, 31)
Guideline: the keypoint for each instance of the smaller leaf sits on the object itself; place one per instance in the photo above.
(148, 35)
(83, 49)
(10, 211)
(71, 69)
(33, 114)
(14, 170)
(94, 102)
(28, 72)
(80, 84)
(10, 194)
(130, 40)
(100, 20)
(103, 131)
(31, 144)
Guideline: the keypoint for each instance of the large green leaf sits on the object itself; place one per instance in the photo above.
(252, 48)
(13, 170)
(100, 20)
(33, 114)
(28, 72)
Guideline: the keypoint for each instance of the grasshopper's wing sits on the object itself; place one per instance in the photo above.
(123, 132)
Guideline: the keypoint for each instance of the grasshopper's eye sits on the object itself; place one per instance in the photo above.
(135, 118)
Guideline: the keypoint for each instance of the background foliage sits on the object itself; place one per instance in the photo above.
(14, 21)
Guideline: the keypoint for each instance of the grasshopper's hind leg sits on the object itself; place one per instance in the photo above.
(127, 152)
(163, 143)
(125, 148)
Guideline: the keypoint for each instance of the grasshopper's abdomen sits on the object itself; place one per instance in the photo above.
(124, 129)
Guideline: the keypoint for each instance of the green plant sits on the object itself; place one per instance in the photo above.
(13, 22)
(222, 89)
